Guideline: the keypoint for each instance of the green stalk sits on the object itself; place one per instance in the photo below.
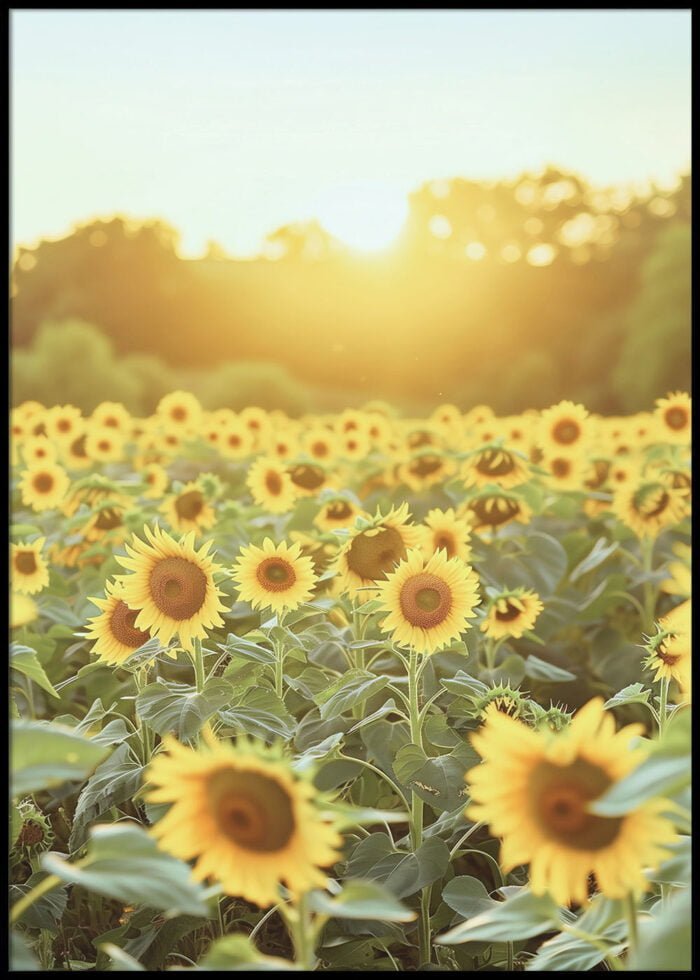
(646, 546)
(631, 916)
(663, 703)
(417, 804)
(198, 661)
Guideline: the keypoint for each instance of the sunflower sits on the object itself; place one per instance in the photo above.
(104, 445)
(44, 487)
(37, 450)
(283, 443)
(338, 511)
(674, 416)
(351, 420)
(172, 586)
(670, 650)
(106, 524)
(595, 478)
(565, 471)
(179, 412)
(271, 485)
(534, 790)
(248, 819)
(320, 444)
(374, 548)
(155, 479)
(258, 423)
(444, 531)
(354, 445)
(425, 469)
(495, 465)
(511, 613)
(679, 582)
(564, 428)
(112, 415)
(188, 509)
(29, 410)
(114, 629)
(29, 572)
(237, 440)
(488, 510)
(649, 506)
(274, 576)
(74, 454)
(429, 601)
(94, 491)
(23, 610)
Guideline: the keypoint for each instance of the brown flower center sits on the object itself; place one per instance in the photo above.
(111, 422)
(559, 796)
(339, 510)
(425, 465)
(417, 439)
(510, 613)
(188, 506)
(64, 425)
(495, 462)
(43, 483)
(426, 600)
(373, 553)
(178, 413)
(560, 467)
(77, 447)
(108, 519)
(234, 440)
(676, 417)
(273, 482)
(566, 431)
(495, 510)
(123, 626)
(445, 542)
(276, 574)
(178, 587)
(252, 810)
(601, 468)
(651, 501)
(25, 562)
(307, 477)
(319, 449)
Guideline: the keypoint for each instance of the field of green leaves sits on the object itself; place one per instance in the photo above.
(350, 692)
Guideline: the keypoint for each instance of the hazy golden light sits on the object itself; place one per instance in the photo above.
(367, 217)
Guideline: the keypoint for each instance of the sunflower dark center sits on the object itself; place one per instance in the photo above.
(188, 506)
(104, 445)
(426, 465)
(30, 833)
(561, 467)
(63, 425)
(339, 510)
(108, 519)
(307, 477)
(319, 448)
(273, 482)
(77, 447)
(178, 413)
(276, 574)
(178, 587)
(234, 440)
(445, 542)
(417, 439)
(25, 562)
(510, 613)
(676, 417)
(601, 468)
(123, 626)
(426, 600)
(495, 510)
(559, 797)
(43, 482)
(374, 553)
(566, 431)
(495, 462)
(111, 422)
(651, 501)
(252, 810)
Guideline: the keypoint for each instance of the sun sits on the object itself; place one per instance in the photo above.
(366, 216)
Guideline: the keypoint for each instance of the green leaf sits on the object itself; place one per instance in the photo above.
(25, 660)
(438, 781)
(117, 779)
(540, 670)
(599, 553)
(47, 910)
(22, 959)
(237, 952)
(123, 862)
(632, 694)
(121, 961)
(247, 649)
(665, 942)
(259, 712)
(467, 895)
(464, 685)
(677, 869)
(519, 917)
(46, 755)
(361, 900)
(180, 708)
(353, 688)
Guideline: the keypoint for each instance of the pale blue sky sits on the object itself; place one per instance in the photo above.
(230, 123)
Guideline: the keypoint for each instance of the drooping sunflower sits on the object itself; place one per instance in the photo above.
(271, 486)
(106, 524)
(595, 480)
(188, 509)
(649, 506)
(43, 487)
(74, 454)
(488, 510)
(179, 412)
(309, 478)
(670, 650)
(511, 613)
(374, 548)
(247, 818)
(274, 576)
(29, 572)
(172, 586)
(444, 531)
(535, 788)
(114, 630)
(674, 416)
(494, 464)
(429, 601)
(338, 511)
(426, 468)
(564, 428)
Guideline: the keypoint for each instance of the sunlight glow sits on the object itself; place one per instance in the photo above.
(366, 216)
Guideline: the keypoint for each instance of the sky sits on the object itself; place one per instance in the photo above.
(228, 124)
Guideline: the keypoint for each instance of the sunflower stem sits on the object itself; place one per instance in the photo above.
(279, 670)
(663, 703)
(198, 661)
(414, 673)
(631, 915)
(302, 935)
(646, 546)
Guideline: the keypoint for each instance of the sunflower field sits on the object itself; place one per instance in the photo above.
(350, 692)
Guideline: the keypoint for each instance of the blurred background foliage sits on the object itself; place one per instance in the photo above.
(516, 293)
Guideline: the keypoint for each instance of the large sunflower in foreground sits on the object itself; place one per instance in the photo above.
(43, 486)
(172, 586)
(534, 790)
(114, 629)
(429, 601)
(274, 576)
(374, 549)
(250, 822)
(29, 572)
